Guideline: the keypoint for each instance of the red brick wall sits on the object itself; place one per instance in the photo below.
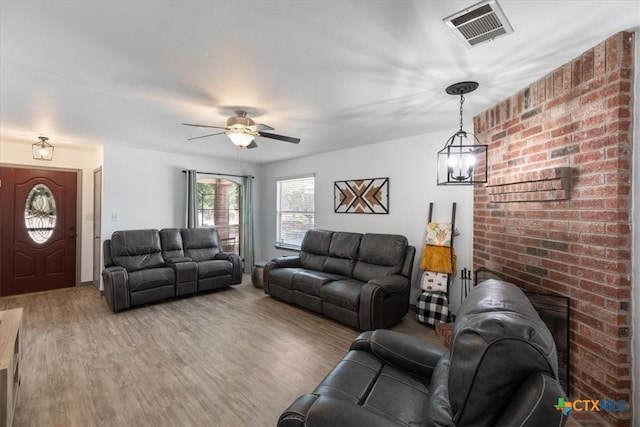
(568, 235)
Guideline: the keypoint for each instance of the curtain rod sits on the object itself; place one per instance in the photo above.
(222, 174)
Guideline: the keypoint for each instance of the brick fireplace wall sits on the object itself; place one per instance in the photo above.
(555, 215)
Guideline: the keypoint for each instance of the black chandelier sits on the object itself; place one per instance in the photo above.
(457, 160)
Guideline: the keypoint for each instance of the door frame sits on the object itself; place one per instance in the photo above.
(97, 224)
(79, 229)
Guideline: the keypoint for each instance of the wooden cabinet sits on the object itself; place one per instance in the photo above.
(10, 362)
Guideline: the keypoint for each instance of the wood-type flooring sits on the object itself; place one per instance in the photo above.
(234, 357)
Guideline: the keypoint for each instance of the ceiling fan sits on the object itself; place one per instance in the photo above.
(242, 131)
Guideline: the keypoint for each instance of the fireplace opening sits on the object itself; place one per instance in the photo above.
(554, 312)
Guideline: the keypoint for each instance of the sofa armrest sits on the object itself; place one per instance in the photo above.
(116, 288)
(384, 301)
(394, 283)
(286, 262)
(237, 265)
(313, 410)
(186, 275)
(280, 262)
(402, 351)
(530, 405)
(232, 257)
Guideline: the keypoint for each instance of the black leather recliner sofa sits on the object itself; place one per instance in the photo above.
(501, 370)
(144, 266)
(362, 280)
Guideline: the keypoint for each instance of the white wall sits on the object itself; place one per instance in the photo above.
(410, 165)
(84, 160)
(146, 189)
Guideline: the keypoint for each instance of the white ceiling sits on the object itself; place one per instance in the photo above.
(336, 74)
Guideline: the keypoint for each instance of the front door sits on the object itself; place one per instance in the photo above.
(37, 230)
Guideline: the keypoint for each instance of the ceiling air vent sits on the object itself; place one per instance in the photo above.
(479, 23)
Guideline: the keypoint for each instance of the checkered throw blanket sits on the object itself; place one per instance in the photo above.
(432, 308)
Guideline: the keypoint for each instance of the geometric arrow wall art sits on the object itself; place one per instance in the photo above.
(368, 196)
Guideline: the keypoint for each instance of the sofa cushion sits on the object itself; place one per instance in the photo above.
(214, 268)
(352, 377)
(380, 255)
(400, 396)
(283, 277)
(342, 293)
(315, 248)
(200, 244)
(136, 249)
(310, 281)
(343, 252)
(360, 378)
(151, 278)
(171, 242)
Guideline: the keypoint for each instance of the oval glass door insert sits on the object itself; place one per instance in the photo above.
(40, 213)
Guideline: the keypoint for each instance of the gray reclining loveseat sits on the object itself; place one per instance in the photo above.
(501, 370)
(362, 280)
(144, 266)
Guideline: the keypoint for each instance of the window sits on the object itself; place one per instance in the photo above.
(295, 211)
(40, 213)
(219, 207)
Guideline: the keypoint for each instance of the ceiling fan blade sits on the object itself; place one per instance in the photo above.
(205, 136)
(204, 126)
(260, 126)
(279, 137)
(253, 144)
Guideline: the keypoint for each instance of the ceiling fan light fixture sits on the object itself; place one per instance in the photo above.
(240, 120)
(242, 131)
(42, 150)
(239, 137)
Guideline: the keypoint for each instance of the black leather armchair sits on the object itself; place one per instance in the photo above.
(501, 369)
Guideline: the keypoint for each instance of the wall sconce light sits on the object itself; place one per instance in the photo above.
(457, 160)
(42, 150)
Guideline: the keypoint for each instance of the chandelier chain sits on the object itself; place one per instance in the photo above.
(461, 102)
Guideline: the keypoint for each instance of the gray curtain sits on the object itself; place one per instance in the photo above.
(247, 224)
(192, 199)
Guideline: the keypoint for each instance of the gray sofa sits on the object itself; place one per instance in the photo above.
(501, 370)
(362, 280)
(144, 266)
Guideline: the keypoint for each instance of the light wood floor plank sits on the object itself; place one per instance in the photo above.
(234, 357)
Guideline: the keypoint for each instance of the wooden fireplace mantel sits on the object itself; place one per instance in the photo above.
(536, 186)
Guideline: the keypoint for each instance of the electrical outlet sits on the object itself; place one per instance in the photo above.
(114, 217)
